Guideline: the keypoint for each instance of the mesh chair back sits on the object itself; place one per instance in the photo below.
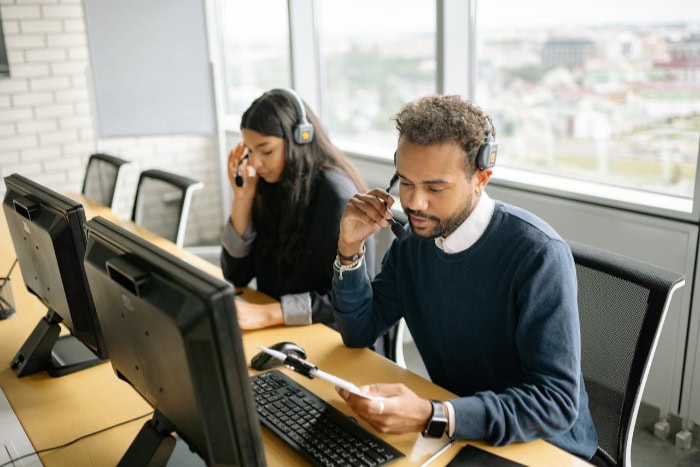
(162, 203)
(622, 305)
(101, 177)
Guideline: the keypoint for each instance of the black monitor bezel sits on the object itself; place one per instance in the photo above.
(114, 254)
(57, 221)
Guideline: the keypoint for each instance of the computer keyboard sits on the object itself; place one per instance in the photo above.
(315, 429)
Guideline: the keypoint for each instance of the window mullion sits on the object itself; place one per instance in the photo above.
(303, 42)
(455, 55)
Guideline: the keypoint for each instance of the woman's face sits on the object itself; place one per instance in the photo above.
(265, 154)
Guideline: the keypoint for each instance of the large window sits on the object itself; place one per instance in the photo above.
(376, 55)
(255, 49)
(597, 90)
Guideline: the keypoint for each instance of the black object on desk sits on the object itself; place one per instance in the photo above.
(46, 229)
(471, 456)
(264, 361)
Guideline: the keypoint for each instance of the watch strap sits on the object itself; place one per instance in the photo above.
(354, 257)
(437, 424)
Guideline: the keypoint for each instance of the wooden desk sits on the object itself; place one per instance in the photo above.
(54, 411)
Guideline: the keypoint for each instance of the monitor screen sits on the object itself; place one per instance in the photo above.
(172, 334)
(47, 234)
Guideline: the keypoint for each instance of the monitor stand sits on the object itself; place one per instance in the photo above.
(44, 349)
(153, 444)
(183, 456)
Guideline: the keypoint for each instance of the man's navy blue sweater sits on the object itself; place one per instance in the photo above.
(496, 324)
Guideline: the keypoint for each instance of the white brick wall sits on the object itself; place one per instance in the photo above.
(46, 116)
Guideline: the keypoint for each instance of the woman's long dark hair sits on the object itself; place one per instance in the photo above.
(281, 210)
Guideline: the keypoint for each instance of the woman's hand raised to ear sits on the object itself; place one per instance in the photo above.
(241, 171)
(243, 195)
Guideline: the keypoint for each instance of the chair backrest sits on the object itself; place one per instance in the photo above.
(162, 203)
(101, 178)
(622, 305)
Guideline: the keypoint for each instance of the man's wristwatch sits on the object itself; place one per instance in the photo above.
(437, 424)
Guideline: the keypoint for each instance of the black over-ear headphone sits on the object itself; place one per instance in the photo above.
(303, 131)
(486, 157)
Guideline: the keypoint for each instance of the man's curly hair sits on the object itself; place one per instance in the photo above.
(443, 119)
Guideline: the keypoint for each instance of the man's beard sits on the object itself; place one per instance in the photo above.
(443, 227)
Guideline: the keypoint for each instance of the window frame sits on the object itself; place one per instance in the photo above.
(456, 60)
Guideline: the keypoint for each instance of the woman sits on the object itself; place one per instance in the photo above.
(290, 187)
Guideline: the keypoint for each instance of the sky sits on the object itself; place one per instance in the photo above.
(410, 16)
(587, 12)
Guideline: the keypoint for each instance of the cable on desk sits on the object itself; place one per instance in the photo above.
(65, 445)
(7, 309)
(11, 268)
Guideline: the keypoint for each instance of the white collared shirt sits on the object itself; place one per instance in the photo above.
(471, 229)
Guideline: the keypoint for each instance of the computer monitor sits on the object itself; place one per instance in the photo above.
(47, 234)
(172, 334)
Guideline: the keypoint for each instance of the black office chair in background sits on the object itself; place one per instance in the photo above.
(622, 305)
(101, 178)
(162, 203)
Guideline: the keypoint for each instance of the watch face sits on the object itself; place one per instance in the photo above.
(435, 429)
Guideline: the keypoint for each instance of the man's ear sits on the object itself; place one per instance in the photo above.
(482, 178)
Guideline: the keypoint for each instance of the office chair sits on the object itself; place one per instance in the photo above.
(101, 178)
(622, 305)
(162, 203)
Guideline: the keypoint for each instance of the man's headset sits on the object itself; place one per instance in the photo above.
(302, 132)
(396, 226)
(485, 159)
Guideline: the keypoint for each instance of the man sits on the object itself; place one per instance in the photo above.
(488, 292)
